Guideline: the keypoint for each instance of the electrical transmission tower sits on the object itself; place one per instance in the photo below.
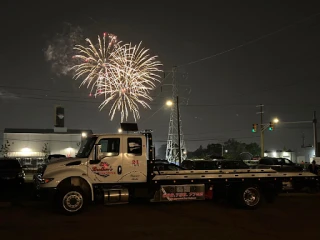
(176, 148)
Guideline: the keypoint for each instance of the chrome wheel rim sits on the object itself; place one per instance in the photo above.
(251, 196)
(72, 201)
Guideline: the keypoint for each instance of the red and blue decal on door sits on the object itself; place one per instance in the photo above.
(104, 169)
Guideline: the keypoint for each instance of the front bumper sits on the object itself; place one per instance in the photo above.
(43, 193)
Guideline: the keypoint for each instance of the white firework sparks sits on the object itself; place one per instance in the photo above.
(95, 61)
(135, 73)
(124, 74)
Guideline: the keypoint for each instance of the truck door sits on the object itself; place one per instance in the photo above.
(109, 167)
(134, 159)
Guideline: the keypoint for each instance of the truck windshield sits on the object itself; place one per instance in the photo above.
(86, 147)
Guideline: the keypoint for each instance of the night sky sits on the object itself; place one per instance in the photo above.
(218, 95)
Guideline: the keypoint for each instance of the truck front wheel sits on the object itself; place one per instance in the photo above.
(72, 200)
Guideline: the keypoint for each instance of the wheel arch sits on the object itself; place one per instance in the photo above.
(78, 181)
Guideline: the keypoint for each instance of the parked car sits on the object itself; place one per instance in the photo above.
(164, 165)
(279, 164)
(11, 173)
(161, 160)
(56, 156)
(213, 164)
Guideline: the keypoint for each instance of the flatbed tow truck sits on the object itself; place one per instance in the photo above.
(119, 168)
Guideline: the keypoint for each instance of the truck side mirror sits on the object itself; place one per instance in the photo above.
(96, 154)
(97, 151)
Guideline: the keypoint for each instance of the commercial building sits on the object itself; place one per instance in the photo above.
(39, 142)
(32, 146)
(301, 155)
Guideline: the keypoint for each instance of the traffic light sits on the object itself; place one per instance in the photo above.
(271, 126)
(254, 127)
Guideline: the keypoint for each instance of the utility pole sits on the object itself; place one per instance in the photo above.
(303, 141)
(179, 134)
(175, 144)
(261, 130)
(222, 150)
(315, 136)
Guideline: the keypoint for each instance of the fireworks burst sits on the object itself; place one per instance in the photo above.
(95, 61)
(134, 74)
(124, 74)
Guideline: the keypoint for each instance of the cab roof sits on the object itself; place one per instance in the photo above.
(117, 134)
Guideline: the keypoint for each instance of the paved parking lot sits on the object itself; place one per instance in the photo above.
(293, 217)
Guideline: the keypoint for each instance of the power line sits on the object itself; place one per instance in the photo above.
(35, 89)
(250, 42)
(212, 139)
(159, 104)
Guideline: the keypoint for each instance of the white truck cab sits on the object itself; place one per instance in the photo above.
(121, 158)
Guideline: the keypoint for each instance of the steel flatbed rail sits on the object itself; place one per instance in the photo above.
(229, 174)
(269, 170)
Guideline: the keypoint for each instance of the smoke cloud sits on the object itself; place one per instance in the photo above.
(4, 94)
(59, 50)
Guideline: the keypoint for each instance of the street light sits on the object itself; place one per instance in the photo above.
(276, 120)
(84, 134)
(119, 130)
(169, 103)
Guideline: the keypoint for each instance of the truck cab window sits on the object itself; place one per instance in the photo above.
(135, 146)
(110, 147)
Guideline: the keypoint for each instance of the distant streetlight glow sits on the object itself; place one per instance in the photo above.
(276, 120)
(169, 103)
(84, 134)
(119, 130)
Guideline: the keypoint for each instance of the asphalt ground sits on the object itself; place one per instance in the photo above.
(292, 216)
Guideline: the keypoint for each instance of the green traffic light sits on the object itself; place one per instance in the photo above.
(253, 130)
(270, 128)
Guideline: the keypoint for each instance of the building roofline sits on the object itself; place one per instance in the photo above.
(46, 131)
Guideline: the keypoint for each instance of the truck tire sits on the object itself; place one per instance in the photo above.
(248, 197)
(72, 200)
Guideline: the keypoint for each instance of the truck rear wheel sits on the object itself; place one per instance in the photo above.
(72, 200)
(248, 197)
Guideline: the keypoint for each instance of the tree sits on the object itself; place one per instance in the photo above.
(214, 150)
(5, 148)
(253, 148)
(199, 153)
(45, 150)
(235, 148)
